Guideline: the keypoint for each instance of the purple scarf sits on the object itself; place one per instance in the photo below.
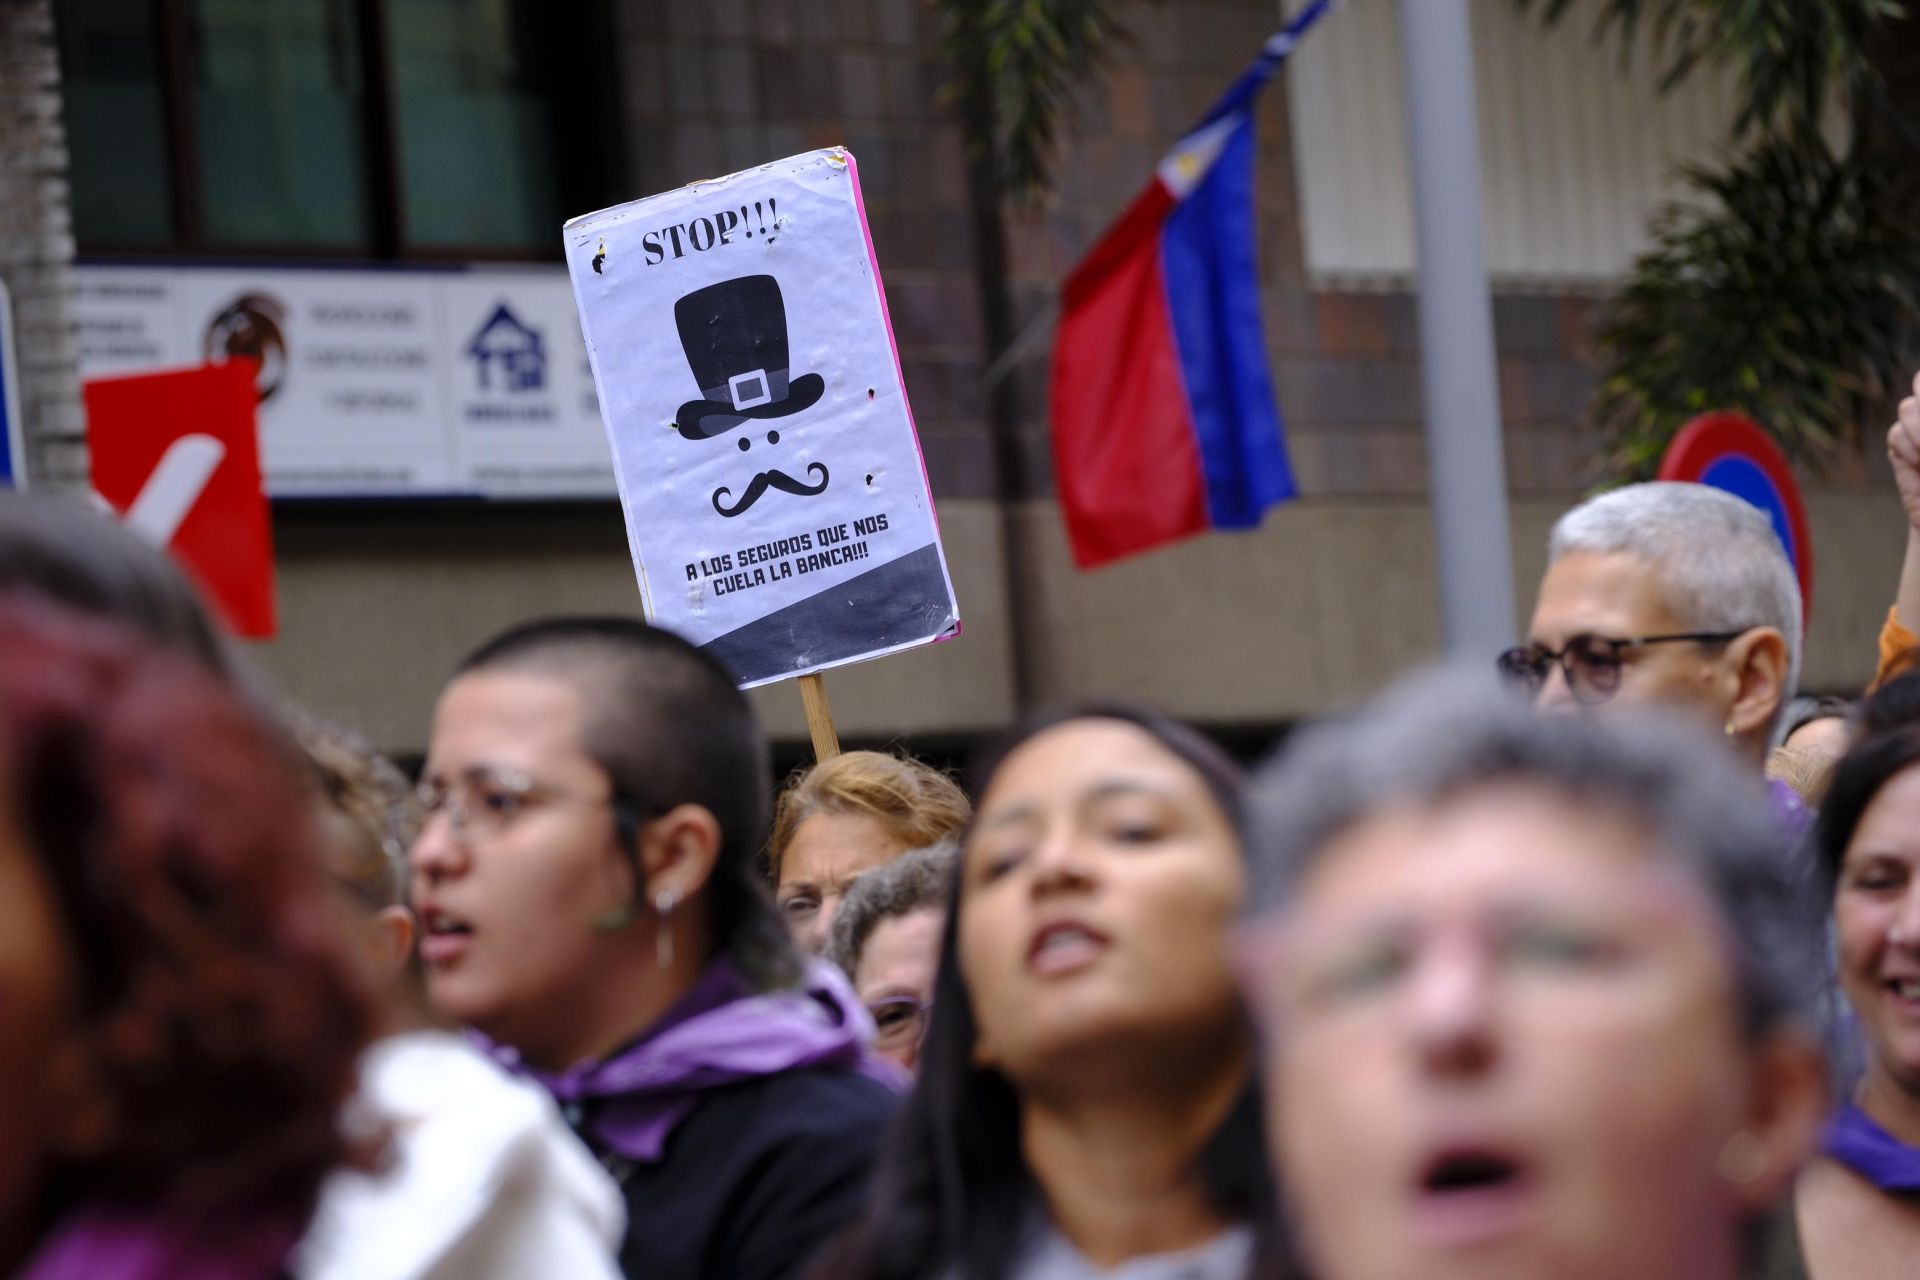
(1791, 811)
(91, 1244)
(719, 1033)
(1863, 1146)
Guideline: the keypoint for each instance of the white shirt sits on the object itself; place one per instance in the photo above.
(1228, 1256)
(487, 1182)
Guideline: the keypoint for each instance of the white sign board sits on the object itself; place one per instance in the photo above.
(776, 500)
(375, 383)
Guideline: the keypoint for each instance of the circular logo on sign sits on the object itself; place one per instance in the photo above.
(249, 328)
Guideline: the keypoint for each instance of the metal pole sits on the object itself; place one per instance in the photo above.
(1465, 459)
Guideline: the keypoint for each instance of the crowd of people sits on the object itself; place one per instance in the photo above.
(1606, 969)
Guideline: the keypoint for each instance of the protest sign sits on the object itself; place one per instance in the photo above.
(777, 505)
(177, 457)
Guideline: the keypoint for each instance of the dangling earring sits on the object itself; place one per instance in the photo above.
(663, 935)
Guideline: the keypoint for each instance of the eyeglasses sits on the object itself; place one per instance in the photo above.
(899, 1020)
(484, 802)
(1539, 952)
(1591, 663)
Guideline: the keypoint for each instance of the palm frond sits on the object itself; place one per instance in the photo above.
(1023, 60)
(1785, 291)
(1794, 58)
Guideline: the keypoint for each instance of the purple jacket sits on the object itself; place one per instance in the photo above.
(127, 1245)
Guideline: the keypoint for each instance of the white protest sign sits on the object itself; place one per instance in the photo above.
(776, 501)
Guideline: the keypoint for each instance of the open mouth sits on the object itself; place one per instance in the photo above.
(1469, 1171)
(443, 938)
(1906, 989)
(439, 922)
(1063, 947)
(1468, 1195)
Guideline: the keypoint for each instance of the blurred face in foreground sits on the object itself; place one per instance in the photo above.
(1876, 912)
(1504, 1042)
(1099, 883)
(36, 1015)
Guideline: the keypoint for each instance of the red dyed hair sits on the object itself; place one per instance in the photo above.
(213, 984)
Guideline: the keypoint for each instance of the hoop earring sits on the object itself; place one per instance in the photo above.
(663, 935)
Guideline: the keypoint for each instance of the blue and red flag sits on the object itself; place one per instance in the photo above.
(1164, 422)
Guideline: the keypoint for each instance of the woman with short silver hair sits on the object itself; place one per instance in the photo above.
(1537, 993)
(1673, 595)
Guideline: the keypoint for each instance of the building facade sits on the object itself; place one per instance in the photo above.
(365, 195)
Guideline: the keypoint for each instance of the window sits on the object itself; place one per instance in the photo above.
(355, 128)
(109, 56)
(475, 101)
(1573, 154)
(278, 100)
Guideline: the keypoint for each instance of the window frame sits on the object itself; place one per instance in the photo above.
(591, 160)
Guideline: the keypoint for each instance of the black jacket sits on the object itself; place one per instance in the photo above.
(755, 1180)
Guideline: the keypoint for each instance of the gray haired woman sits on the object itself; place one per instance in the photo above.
(886, 936)
(1536, 991)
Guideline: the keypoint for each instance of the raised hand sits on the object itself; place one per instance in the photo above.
(1903, 451)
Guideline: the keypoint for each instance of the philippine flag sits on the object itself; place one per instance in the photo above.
(1164, 422)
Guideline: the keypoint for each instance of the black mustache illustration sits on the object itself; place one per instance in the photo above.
(774, 479)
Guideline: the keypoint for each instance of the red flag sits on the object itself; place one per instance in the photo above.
(1164, 421)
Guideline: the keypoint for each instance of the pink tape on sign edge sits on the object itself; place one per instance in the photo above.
(899, 374)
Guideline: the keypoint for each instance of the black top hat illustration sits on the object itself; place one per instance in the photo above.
(735, 337)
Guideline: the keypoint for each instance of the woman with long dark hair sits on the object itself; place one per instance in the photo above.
(1086, 1096)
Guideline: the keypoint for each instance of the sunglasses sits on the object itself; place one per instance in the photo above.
(1592, 664)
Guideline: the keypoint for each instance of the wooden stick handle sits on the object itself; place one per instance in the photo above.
(813, 694)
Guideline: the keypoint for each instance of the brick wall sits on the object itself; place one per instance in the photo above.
(712, 87)
(36, 243)
(1349, 383)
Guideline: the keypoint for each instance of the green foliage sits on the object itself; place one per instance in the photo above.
(1016, 65)
(1787, 294)
(1794, 57)
(1789, 285)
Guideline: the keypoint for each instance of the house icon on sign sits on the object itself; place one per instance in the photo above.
(511, 349)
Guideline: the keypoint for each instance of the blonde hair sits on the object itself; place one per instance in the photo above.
(1809, 773)
(916, 804)
(372, 815)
